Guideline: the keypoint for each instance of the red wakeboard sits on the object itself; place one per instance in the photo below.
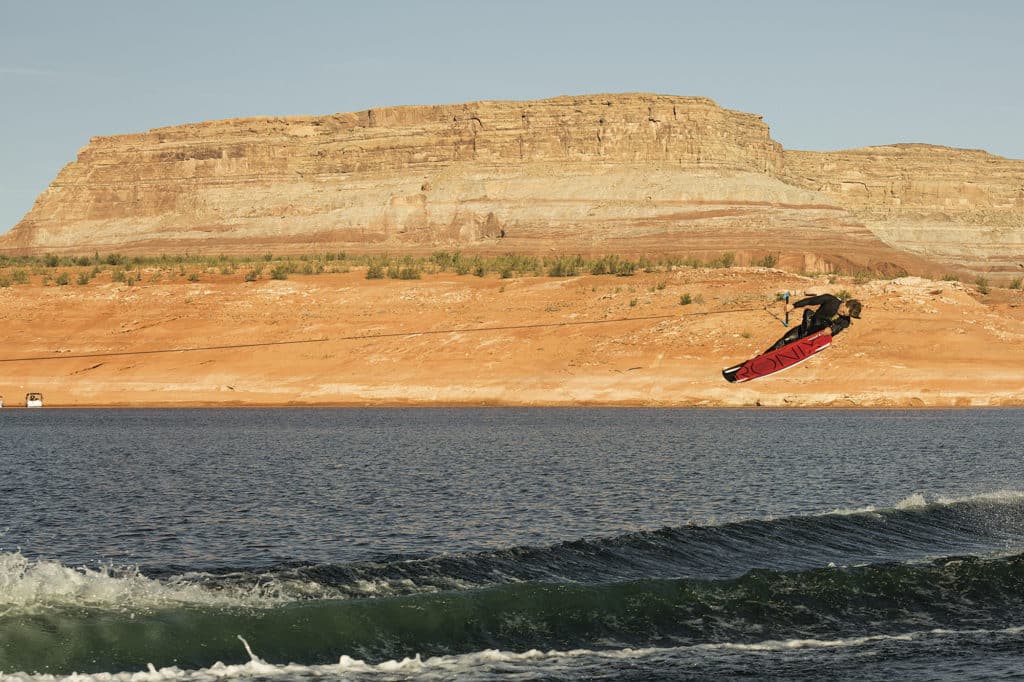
(779, 359)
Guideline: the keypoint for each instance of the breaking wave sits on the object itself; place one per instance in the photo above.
(805, 581)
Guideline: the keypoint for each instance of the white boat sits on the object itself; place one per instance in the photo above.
(34, 400)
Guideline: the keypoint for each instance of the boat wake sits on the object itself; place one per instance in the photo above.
(831, 580)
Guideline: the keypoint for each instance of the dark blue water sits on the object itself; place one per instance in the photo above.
(541, 543)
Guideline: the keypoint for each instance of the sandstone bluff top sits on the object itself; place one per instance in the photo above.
(625, 173)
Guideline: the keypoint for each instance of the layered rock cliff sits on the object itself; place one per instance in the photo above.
(603, 173)
(958, 207)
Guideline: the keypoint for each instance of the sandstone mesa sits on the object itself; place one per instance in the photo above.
(627, 173)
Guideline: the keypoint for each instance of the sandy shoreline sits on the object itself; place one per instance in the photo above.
(340, 340)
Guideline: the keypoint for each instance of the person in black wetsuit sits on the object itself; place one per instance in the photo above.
(832, 313)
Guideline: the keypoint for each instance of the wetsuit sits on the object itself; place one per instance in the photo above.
(826, 315)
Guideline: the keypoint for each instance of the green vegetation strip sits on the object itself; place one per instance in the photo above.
(52, 269)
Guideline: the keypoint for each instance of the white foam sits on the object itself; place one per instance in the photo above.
(27, 585)
(921, 501)
(789, 644)
(446, 667)
(915, 501)
(346, 666)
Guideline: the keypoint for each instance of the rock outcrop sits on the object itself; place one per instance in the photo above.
(957, 207)
(630, 173)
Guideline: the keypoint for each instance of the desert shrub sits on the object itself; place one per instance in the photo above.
(1016, 283)
(404, 272)
(516, 264)
(626, 268)
(445, 260)
(254, 273)
(982, 285)
(565, 266)
(601, 266)
(949, 277)
(726, 260)
(375, 271)
(5, 281)
(83, 278)
(279, 271)
(461, 267)
(844, 295)
(769, 261)
(20, 276)
(690, 262)
(193, 276)
(63, 278)
(614, 265)
(685, 299)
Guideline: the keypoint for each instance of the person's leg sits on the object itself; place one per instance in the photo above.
(806, 328)
(789, 337)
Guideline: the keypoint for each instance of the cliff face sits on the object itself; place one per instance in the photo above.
(404, 175)
(958, 207)
(626, 173)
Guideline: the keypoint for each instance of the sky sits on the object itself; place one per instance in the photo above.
(824, 74)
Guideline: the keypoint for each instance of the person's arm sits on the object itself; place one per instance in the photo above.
(815, 300)
(838, 326)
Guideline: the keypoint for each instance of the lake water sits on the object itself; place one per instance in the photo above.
(534, 544)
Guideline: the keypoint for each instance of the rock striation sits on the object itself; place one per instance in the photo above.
(627, 173)
(958, 207)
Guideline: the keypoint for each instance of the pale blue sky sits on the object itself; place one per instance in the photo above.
(825, 75)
